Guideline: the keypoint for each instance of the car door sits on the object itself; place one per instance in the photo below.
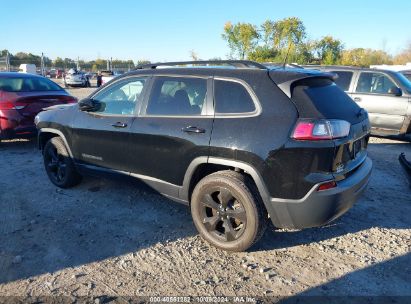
(101, 138)
(386, 111)
(173, 128)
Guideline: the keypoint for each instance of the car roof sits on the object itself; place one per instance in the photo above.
(346, 68)
(18, 75)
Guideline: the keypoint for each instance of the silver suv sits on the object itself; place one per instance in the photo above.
(386, 95)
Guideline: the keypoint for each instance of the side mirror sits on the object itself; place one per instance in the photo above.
(395, 91)
(88, 105)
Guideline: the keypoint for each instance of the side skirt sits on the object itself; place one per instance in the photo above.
(169, 190)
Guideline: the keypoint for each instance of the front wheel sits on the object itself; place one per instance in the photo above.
(227, 211)
(59, 165)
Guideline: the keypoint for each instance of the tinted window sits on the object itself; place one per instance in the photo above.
(374, 83)
(121, 98)
(35, 84)
(232, 97)
(177, 96)
(343, 80)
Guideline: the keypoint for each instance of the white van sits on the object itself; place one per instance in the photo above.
(27, 68)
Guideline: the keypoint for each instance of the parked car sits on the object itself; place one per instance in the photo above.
(22, 97)
(28, 68)
(407, 74)
(76, 78)
(106, 76)
(386, 95)
(59, 73)
(241, 146)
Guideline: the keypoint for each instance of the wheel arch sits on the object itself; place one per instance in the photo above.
(202, 166)
(45, 134)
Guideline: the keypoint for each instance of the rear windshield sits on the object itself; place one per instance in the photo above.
(321, 98)
(35, 84)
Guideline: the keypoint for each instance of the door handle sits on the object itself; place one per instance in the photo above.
(119, 125)
(191, 129)
(357, 98)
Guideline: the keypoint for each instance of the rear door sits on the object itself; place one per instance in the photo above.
(101, 138)
(173, 128)
(386, 111)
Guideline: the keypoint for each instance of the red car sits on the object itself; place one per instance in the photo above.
(22, 97)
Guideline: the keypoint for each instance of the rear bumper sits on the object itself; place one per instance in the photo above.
(13, 125)
(320, 207)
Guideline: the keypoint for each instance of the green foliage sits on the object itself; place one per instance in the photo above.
(242, 38)
(264, 54)
(288, 32)
(328, 50)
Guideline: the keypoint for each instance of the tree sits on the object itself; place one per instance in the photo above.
(288, 32)
(365, 57)
(281, 38)
(404, 57)
(58, 62)
(267, 29)
(264, 54)
(242, 38)
(143, 61)
(328, 50)
(194, 55)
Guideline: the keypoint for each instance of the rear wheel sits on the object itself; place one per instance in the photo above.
(59, 165)
(227, 211)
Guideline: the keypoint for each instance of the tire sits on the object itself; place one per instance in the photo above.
(228, 212)
(59, 165)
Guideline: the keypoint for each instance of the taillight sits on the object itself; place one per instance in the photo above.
(7, 105)
(68, 99)
(327, 185)
(323, 129)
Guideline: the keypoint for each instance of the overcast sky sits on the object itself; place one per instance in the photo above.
(167, 30)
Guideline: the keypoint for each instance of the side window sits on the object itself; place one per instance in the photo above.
(177, 96)
(232, 97)
(121, 98)
(370, 82)
(343, 80)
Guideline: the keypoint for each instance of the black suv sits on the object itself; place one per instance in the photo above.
(237, 141)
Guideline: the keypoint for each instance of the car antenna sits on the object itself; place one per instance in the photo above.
(286, 55)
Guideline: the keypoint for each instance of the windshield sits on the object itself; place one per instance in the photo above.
(405, 82)
(35, 84)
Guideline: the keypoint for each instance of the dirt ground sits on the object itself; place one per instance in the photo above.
(119, 238)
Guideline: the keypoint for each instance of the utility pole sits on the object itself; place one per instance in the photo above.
(42, 64)
(78, 63)
(111, 63)
(8, 61)
(108, 65)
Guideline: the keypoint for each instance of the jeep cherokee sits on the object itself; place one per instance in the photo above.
(238, 142)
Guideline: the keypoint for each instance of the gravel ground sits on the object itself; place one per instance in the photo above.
(119, 238)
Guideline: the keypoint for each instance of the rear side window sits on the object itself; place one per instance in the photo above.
(34, 84)
(232, 97)
(343, 80)
(177, 96)
(377, 83)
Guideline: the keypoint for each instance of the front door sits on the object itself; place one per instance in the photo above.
(386, 111)
(173, 128)
(101, 138)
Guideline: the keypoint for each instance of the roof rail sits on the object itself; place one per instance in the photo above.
(234, 63)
